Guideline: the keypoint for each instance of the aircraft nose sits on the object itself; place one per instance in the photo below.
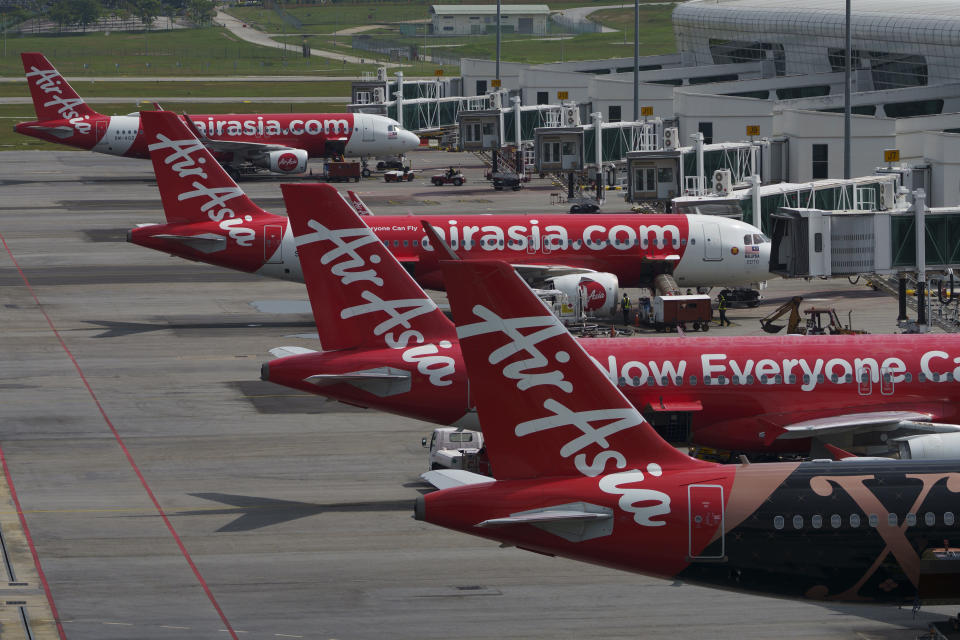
(410, 140)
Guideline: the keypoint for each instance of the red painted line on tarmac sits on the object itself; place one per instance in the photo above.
(126, 452)
(33, 550)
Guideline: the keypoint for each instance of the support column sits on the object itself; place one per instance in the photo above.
(920, 233)
(902, 298)
(598, 155)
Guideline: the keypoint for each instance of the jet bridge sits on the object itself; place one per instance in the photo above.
(822, 243)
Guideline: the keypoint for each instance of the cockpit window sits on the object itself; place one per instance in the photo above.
(390, 127)
(760, 238)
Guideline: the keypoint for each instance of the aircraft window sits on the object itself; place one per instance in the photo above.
(721, 379)
(693, 380)
(416, 243)
(874, 520)
(836, 521)
(453, 245)
(947, 376)
(778, 379)
(848, 377)
(778, 522)
(929, 518)
(396, 243)
(886, 377)
(621, 381)
(921, 377)
(684, 241)
(500, 243)
(678, 380)
(749, 379)
(911, 519)
(406, 243)
(798, 521)
(693, 241)
(664, 381)
(948, 518)
(735, 379)
(793, 378)
(892, 519)
(907, 377)
(747, 239)
(854, 520)
(651, 381)
(820, 378)
(636, 381)
(833, 377)
(816, 521)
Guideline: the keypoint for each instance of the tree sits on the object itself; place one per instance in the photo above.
(201, 12)
(62, 13)
(86, 12)
(147, 11)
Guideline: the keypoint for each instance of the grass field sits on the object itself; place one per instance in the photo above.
(183, 52)
(10, 114)
(252, 89)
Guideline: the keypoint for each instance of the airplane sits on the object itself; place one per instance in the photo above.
(386, 346)
(558, 249)
(578, 473)
(281, 142)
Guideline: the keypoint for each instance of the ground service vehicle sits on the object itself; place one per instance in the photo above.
(452, 448)
(342, 171)
(455, 178)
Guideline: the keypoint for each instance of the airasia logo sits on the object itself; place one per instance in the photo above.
(593, 294)
(287, 162)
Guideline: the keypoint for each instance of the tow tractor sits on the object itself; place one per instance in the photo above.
(399, 175)
(450, 176)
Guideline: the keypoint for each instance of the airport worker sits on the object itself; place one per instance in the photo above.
(625, 308)
(722, 308)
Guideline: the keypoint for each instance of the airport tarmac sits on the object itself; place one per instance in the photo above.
(171, 494)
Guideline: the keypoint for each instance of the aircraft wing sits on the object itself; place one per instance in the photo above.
(872, 421)
(537, 274)
(448, 478)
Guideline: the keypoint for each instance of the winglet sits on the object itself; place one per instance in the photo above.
(437, 241)
(193, 186)
(53, 97)
(361, 296)
(547, 409)
(358, 205)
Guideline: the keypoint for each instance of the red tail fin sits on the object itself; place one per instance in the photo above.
(360, 294)
(547, 409)
(53, 97)
(193, 186)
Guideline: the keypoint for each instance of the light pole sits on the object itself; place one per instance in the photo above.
(636, 60)
(498, 44)
(848, 55)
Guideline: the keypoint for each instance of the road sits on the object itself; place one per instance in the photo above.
(241, 30)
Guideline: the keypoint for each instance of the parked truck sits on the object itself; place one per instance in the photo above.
(453, 448)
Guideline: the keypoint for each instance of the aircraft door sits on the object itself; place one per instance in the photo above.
(272, 243)
(368, 129)
(712, 242)
(705, 511)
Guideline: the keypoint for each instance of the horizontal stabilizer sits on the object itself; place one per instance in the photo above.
(449, 478)
(283, 352)
(61, 132)
(381, 382)
(544, 516)
(873, 421)
(574, 522)
(203, 242)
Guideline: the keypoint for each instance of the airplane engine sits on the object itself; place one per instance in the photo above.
(594, 293)
(932, 446)
(287, 161)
